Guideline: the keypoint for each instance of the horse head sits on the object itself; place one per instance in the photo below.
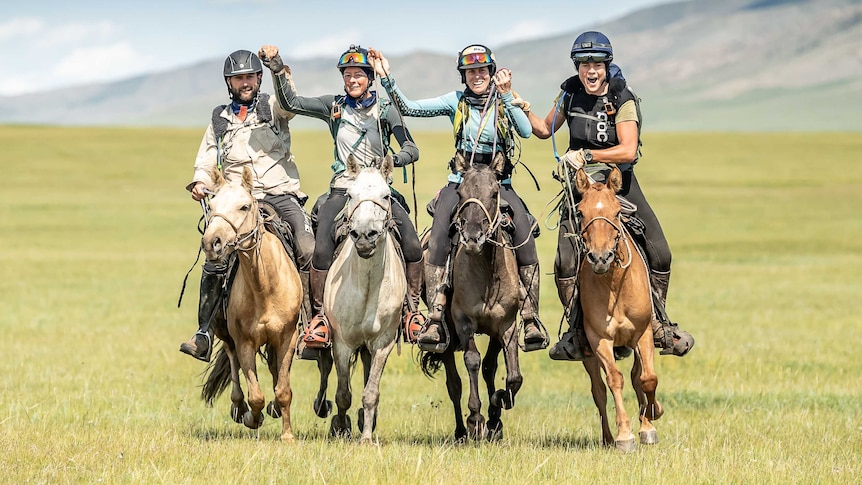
(233, 216)
(599, 215)
(478, 215)
(369, 210)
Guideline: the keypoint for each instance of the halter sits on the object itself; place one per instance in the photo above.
(385, 207)
(241, 238)
(621, 234)
(493, 223)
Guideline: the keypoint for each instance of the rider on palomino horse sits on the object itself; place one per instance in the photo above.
(484, 118)
(604, 119)
(252, 120)
(361, 125)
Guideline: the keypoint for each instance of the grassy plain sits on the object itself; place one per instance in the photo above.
(96, 234)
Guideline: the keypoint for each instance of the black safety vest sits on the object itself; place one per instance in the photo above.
(592, 119)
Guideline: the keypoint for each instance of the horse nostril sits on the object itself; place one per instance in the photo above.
(217, 244)
(591, 256)
(354, 235)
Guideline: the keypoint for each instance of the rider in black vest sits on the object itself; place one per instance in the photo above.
(603, 116)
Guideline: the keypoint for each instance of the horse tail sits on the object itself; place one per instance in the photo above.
(430, 362)
(218, 377)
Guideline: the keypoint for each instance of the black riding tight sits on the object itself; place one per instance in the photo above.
(324, 247)
(439, 243)
(657, 249)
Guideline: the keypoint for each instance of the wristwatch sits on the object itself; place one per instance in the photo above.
(588, 155)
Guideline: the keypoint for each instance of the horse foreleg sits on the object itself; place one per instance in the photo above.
(323, 406)
(283, 392)
(496, 399)
(625, 440)
(340, 425)
(238, 407)
(371, 393)
(600, 397)
(365, 356)
(645, 382)
(454, 386)
(247, 355)
(472, 361)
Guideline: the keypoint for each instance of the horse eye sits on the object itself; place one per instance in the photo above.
(245, 207)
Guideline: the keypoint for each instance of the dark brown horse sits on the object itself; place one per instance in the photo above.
(262, 309)
(484, 299)
(615, 297)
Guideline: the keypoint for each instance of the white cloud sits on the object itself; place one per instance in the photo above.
(71, 34)
(528, 29)
(333, 45)
(102, 63)
(17, 28)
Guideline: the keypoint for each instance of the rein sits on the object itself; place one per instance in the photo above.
(493, 222)
(241, 238)
(621, 234)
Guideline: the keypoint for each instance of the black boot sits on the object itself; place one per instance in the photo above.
(413, 318)
(535, 335)
(666, 334)
(430, 339)
(200, 345)
(302, 351)
(573, 343)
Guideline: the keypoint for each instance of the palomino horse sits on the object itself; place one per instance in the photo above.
(485, 298)
(263, 306)
(365, 288)
(615, 297)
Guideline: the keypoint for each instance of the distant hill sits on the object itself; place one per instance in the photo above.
(700, 65)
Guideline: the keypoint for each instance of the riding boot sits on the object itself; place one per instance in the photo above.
(429, 338)
(200, 345)
(302, 351)
(317, 334)
(413, 318)
(573, 343)
(666, 334)
(535, 335)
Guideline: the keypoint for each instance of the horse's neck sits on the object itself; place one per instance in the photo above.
(494, 259)
(263, 267)
(373, 268)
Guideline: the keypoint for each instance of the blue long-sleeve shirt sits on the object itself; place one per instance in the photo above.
(472, 138)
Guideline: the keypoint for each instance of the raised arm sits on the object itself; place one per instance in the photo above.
(424, 108)
(409, 152)
(285, 91)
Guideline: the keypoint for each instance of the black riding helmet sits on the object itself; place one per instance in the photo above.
(242, 62)
(356, 56)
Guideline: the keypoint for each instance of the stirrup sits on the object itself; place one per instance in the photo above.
(317, 334)
(186, 348)
(569, 348)
(680, 342)
(434, 347)
(413, 324)
(538, 342)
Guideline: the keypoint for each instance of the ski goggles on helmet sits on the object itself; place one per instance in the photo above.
(474, 58)
(353, 58)
(591, 57)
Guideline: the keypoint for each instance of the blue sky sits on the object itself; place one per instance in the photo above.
(50, 44)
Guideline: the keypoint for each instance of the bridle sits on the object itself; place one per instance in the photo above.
(253, 234)
(621, 235)
(493, 222)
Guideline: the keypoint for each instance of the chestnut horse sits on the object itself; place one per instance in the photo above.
(615, 297)
(484, 299)
(262, 309)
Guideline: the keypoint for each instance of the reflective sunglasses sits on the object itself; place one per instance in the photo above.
(353, 58)
(590, 57)
(476, 58)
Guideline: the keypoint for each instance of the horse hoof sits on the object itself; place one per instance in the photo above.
(476, 428)
(495, 431)
(273, 409)
(503, 398)
(626, 446)
(460, 435)
(237, 412)
(648, 437)
(250, 421)
(322, 408)
(340, 428)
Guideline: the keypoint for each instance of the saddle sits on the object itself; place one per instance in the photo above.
(278, 227)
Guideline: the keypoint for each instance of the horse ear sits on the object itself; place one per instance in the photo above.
(498, 163)
(615, 180)
(352, 165)
(460, 163)
(217, 178)
(247, 178)
(582, 181)
(386, 166)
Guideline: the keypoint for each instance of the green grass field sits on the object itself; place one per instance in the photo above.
(97, 232)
